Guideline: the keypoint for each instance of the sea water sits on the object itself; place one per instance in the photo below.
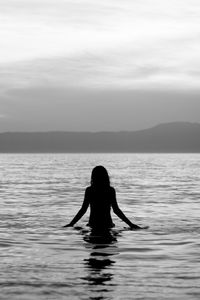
(39, 259)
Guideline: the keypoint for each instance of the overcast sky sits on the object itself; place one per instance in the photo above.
(98, 64)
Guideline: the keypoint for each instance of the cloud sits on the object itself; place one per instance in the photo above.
(153, 67)
(100, 44)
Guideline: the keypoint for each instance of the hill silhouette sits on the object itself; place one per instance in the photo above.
(169, 137)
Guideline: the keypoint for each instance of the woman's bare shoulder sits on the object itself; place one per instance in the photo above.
(112, 189)
(88, 188)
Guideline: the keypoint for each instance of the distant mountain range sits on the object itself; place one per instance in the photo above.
(170, 137)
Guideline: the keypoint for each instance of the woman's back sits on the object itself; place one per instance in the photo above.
(100, 199)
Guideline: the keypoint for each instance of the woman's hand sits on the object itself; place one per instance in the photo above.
(135, 227)
(68, 225)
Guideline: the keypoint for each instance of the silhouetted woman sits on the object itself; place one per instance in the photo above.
(100, 196)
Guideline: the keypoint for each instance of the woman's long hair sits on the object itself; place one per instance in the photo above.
(100, 177)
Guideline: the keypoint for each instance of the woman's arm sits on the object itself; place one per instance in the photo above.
(81, 212)
(120, 214)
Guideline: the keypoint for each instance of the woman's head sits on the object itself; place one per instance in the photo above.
(100, 177)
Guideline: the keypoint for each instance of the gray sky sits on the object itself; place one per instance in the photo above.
(98, 65)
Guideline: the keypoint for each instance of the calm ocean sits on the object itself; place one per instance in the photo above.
(41, 260)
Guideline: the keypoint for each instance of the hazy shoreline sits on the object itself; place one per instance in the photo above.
(180, 137)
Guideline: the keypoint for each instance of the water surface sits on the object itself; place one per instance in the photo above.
(41, 260)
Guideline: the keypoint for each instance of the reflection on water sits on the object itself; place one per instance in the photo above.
(99, 265)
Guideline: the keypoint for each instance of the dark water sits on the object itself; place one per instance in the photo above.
(41, 260)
